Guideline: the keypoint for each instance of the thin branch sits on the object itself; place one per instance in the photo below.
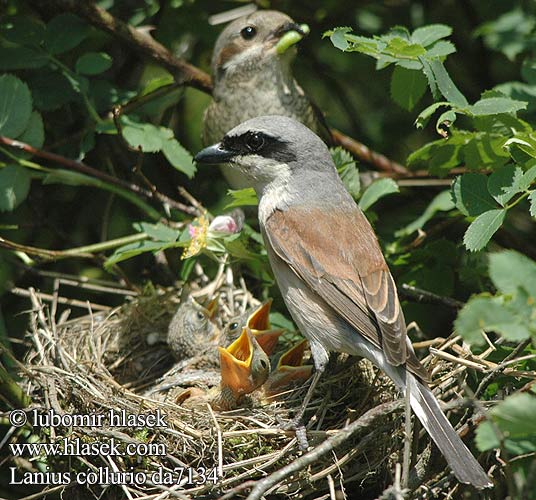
(363, 422)
(79, 166)
(141, 42)
(364, 153)
(414, 294)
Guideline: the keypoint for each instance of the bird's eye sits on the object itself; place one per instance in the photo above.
(200, 316)
(248, 32)
(254, 142)
(233, 326)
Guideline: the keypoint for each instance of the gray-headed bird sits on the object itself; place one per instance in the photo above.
(330, 268)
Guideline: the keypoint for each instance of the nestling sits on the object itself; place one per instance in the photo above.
(330, 268)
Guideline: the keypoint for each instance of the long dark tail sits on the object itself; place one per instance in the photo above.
(465, 467)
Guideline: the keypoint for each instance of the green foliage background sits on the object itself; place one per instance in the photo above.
(446, 88)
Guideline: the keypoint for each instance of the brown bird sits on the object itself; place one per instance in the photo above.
(252, 78)
(330, 268)
(258, 321)
(244, 368)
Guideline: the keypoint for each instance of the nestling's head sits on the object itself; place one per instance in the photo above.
(250, 41)
(266, 148)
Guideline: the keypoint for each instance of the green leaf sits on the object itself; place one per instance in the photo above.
(407, 87)
(432, 82)
(440, 49)
(34, 134)
(427, 35)
(93, 63)
(502, 183)
(146, 136)
(377, 190)
(134, 249)
(15, 106)
(485, 151)
(446, 85)
(470, 194)
(158, 232)
(51, 90)
(23, 30)
(242, 197)
(399, 47)
(21, 58)
(510, 270)
(485, 314)
(482, 229)
(532, 199)
(515, 423)
(14, 186)
(426, 114)
(496, 105)
(347, 168)
(65, 32)
(442, 202)
(528, 178)
(179, 157)
(338, 39)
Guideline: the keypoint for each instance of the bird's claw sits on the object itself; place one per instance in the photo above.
(297, 426)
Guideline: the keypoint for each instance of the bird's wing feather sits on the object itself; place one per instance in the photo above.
(336, 253)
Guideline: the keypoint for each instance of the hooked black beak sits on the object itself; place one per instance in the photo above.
(214, 154)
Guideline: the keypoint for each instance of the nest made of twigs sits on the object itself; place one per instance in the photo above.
(104, 361)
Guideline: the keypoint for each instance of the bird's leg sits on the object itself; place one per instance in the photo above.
(296, 423)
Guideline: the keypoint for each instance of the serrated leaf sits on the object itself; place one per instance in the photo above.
(179, 157)
(338, 39)
(407, 87)
(496, 105)
(426, 114)
(515, 423)
(378, 189)
(427, 35)
(485, 151)
(399, 48)
(440, 49)
(93, 63)
(65, 32)
(158, 232)
(14, 186)
(432, 82)
(146, 136)
(242, 197)
(21, 58)
(446, 85)
(483, 314)
(510, 270)
(441, 203)
(482, 229)
(347, 168)
(528, 178)
(532, 199)
(470, 194)
(502, 183)
(15, 106)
